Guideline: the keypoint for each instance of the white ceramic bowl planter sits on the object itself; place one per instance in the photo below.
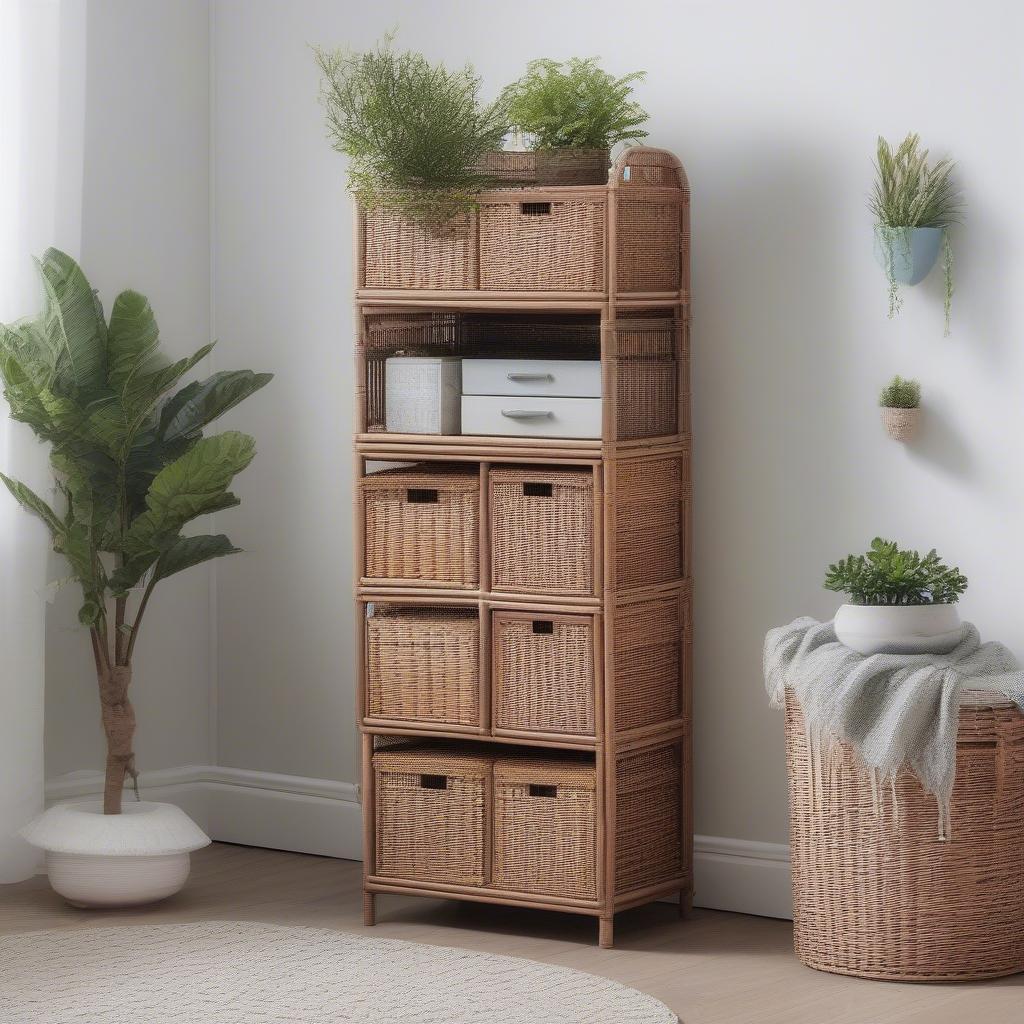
(898, 629)
(102, 860)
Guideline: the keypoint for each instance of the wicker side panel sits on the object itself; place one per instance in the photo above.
(542, 246)
(423, 665)
(542, 543)
(646, 353)
(544, 681)
(648, 844)
(545, 828)
(399, 253)
(648, 662)
(648, 239)
(429, 832)
(875, 891)
(412, 539)
(648, 512)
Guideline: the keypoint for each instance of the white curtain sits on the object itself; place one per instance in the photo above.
(42, 114)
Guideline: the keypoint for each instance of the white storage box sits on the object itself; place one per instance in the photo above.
(568, 378)
(422, 394)
(530, 416)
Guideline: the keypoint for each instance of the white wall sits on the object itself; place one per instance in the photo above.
(774, 108)
(145, 225)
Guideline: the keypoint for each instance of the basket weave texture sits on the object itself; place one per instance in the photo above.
(423, 665)
(875, 892)
(542, 543)
(649, 522)
(544, 682)
(430, 833)
(648, 662)
(410, 538)
(545, 828)
(400, 253)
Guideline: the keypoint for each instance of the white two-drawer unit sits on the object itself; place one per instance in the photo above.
(531, 397)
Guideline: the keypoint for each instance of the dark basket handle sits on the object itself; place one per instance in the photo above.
(421, 496)
(433, 782)
(549, 792)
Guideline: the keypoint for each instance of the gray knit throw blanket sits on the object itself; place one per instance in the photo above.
(897, 710)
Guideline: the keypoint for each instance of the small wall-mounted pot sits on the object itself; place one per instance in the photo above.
(914, 251)
(900, 424)
(899, 629)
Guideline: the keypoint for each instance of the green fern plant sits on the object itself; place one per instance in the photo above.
(888, 575)
(900, 394)
(574, 105)
(911, 193)
(131, 465)
(412, 130)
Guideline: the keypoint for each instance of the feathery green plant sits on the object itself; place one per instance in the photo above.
(887, 575)
(574, 105)
(412, 130)
(910, 193)
(131, 464)
(900, 394)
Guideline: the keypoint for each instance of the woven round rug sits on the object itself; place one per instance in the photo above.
(238, 972)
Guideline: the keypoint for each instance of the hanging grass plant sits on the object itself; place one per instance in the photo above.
(412, 130)
(910, 194)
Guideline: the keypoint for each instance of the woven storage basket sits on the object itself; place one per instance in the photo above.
(647, 378)
(648, 813)
(423, 525)
(423, 665)
(542, 246)
(542, 531)
(545, 827)
(546, 167)
(543, 677)
(433, 816)
(648, 663)
(876, 893)
(399, 253)
(649, 522)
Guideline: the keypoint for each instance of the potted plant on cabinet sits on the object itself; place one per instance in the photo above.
(900, 402)
(133, 470)
(900, 603)
(914, 204)
(573, 113)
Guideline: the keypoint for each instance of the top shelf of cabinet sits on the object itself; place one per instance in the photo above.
(568, 247)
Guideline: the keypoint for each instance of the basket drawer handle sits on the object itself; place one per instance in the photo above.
(543, 626)
(549, 792)
(433, 782)
(518, 378)
(421, 496)
(527, 414)
(537, 490)
(535, 209)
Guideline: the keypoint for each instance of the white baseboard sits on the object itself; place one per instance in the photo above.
(320, 816)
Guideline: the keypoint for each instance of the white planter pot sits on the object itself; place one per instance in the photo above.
(116, 860)
(898, 629)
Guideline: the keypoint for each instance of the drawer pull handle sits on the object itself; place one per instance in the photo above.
(527, 414)
(534, 490)
(543, 626)
(545, 791)
(433, 782)
(535, 209)
(522, 377)
(421, 496)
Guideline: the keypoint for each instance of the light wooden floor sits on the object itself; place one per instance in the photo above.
(712, 969)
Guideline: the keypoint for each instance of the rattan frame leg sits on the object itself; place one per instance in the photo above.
(606, 931)
(369, 909)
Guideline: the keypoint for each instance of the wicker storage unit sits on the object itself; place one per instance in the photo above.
(399, 253)
(422, 525)
(545, 827)
(542, 679)
(876, 893)
(648, 814)
(423, 665)
(542, 530)
(432, 816)
(649, 662)
(542, 246)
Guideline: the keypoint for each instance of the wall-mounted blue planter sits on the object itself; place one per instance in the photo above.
(914, 252)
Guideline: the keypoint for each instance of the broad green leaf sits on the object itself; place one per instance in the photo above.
(201, 402)
(189, 551)
(33, 503)
(132, 339)
(142, 392)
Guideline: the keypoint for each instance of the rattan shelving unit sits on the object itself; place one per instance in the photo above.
(547, 272)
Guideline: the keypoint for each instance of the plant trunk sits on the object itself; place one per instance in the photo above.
(119, 727)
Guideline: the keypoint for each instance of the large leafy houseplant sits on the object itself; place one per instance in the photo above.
(131, 465)
(413, 131)
(910, 195)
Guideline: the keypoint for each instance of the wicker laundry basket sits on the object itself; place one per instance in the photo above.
(876, 893)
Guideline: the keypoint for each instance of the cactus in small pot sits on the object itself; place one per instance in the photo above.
(900, 402)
